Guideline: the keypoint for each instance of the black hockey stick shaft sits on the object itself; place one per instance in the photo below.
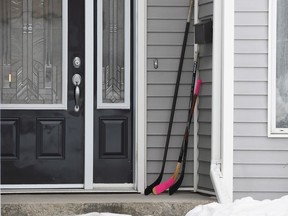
(149, 188)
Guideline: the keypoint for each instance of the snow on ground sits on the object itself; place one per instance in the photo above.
(244, 207)
(103, 214)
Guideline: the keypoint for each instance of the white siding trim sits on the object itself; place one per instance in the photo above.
(222, 101)
(140, 98)
(89, 94)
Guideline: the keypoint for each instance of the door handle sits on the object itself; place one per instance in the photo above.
(76, 80)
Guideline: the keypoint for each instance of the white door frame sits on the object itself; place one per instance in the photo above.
(139, 116)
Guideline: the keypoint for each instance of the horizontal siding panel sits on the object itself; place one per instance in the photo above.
(246, 18)
(204, 155)
(204, 142)
(267, 171)
(260, 157)
(205, 116)
(205, 63)
(165, 103)
(205, 102)
(187, 181)
(259, 184)
(202, 2)
(253, 102)
(246, 115)
(250, 129)
(205, 182)
(204, 168)
(248, 5)
(168, 13)
(165, 77)
(206, 50)
(251, 46)
(260, 195)
(162, 128)
(174, 3)
(260, 143)
(251, 32)
(206, 76)
(170, 64)
(168, 52)
(168, 90)
(205, 89)
(164, 116)
(168, 26)
(251, 60)
(175, 141)
(205, 11)
(251, 88)
(204, 128)
(156, 154)
(155, 166)
(251, 74)
(171, 39)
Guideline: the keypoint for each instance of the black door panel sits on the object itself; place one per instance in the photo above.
(47, 146)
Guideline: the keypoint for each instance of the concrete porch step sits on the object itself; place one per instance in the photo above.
(72, 204)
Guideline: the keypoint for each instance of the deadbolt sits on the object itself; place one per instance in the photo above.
(76, 62)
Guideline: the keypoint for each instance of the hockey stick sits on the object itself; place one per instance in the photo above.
(149, 188)
(170, 183)
(175, 187)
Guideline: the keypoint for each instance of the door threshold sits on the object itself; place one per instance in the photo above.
(77, 189)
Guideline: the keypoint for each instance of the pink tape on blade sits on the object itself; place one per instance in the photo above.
(198, 87)
(163, 186)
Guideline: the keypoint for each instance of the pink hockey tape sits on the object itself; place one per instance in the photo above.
(163, 186)
(197, 87)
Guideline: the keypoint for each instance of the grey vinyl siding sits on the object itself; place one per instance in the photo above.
(205, 98)
(260, 163)
(166, 25)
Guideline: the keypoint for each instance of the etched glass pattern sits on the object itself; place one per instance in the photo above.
(113, 51)
(31, 51)
(282, 65)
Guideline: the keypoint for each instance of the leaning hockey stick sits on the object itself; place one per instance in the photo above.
(170, 183)
(149, 188)
(175, 186)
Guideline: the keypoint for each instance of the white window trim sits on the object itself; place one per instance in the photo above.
(127, 42)
(272, 130)
(63, 105)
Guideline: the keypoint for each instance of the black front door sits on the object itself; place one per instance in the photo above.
(42, 113)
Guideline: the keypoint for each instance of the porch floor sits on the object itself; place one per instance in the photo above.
(72, 204)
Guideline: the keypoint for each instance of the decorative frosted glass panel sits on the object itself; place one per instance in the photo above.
(282, 65)
(31, 51)
(113, 71)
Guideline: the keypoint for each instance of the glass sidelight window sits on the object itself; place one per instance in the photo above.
(278, 69)
(33, 52)
(113, 54)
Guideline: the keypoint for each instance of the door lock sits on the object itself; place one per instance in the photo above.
(76, 62)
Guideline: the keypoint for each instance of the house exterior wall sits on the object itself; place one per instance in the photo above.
(260, 163)
(165, 32)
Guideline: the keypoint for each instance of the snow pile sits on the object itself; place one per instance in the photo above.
(244, 207)
(103, 214)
